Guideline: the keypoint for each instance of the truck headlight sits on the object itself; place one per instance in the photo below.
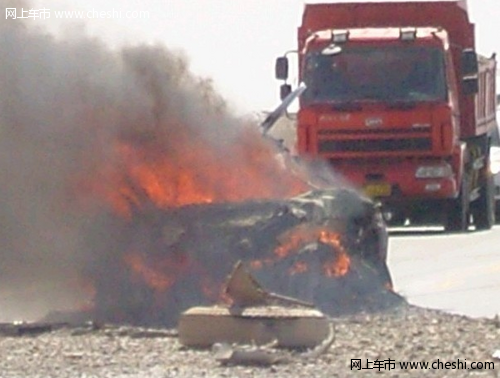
(495, 167)
(434, 171)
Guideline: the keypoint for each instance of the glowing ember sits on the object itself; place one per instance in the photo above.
(298, 267)
(256, 264)
(211, 289)
(153, 278)
(339, 267)
(158, 275)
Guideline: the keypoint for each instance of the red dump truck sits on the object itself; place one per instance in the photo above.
(401, 104)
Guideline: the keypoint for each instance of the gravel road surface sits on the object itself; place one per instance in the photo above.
(406, 334)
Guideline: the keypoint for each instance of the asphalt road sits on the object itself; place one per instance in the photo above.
(455, 273)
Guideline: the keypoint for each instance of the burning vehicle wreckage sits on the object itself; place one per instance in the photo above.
(322, 250)
(326, 246)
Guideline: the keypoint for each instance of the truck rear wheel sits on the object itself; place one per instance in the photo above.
(483, 209)
(457, 211)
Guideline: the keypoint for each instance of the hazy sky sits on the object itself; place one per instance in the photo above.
(234, 42)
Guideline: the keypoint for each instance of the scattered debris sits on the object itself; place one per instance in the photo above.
(292, 327)
(496, 354)
(253, 317)
(323, 347)
(267, 355)
(74, 355)
(152, 333)
(247, 355)
(86, 328)
(26, 329)
(496, 321)
(245, 291)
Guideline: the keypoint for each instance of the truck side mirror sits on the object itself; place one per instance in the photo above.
(281, 68)
(469, 63)
(285, 90)
(470, 85)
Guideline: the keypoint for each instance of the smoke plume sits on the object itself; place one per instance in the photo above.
(75, 115)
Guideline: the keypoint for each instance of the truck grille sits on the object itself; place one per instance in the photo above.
(375, 145)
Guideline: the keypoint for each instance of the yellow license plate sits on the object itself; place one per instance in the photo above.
(378, 190)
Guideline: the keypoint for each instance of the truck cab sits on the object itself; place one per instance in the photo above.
(382, 94)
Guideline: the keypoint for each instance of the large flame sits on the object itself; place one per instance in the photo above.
(200, 174)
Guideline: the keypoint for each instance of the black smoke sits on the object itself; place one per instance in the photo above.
(65, 102)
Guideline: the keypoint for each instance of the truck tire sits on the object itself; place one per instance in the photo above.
(457, 215)
(483, 209)
(397, 220)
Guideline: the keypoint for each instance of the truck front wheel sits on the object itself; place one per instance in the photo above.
(483, 209)
(457, 211)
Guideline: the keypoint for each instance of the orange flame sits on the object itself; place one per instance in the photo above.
(302, 235)
(341, 266)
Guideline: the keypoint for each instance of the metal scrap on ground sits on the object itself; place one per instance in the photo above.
(253, 318)
(267, 355)
(245, 291)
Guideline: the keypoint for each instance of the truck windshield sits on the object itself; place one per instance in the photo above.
(384, 73)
